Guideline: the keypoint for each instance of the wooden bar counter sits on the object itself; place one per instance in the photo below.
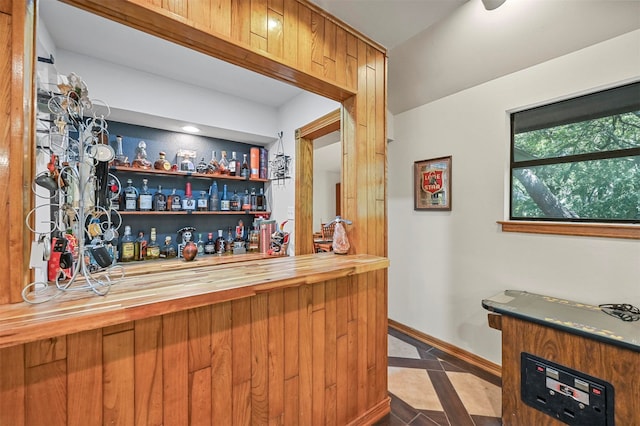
(293, 340)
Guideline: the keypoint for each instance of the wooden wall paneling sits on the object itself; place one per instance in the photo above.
(342, 344)
(5, 7)
(16, 69)
(125, 326)
(303, 193)
(317, 43)
(291, 355)
(220, 21)
(12, 385)
(305, 38)
(148, 377)
(85, 378)
(276, 357)
(200, 396)
(275, 36)
(45, 351)
(46, 394)
(179, 7)
(199, 343)
(362, 342)
(6, 98)
(260, 359)
(290, 32)
(199, 338)
(241, 21)
(352, 350)
(175, 368)
(329, 52)
(318, 356)
(221, 363)
(118, 378)
(305, 345)
(382, 334)
(259, 17)
(372, 350)
(241, 364)
(330, 352)
(200, 13)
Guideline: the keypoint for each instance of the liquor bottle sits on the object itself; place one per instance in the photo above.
(261, 201)
(202, 166)
(130, 196)
(145, 199)
(254, 200)
(220, 243)
(254, 237)
(213, 167)
(153, 248)
(188, 203)
(225, 203)
(234, 165)
(140, 247)
(245, 171)
(120, 159)
(127, 246)
(228, 243)
(200, 245)
(168, 251)
(159, 200)
(214, 198)
(210, 245)
(203, 202)
(234, 205)
(246, 201)
(223, 165)
(161, 163)
(175, 201)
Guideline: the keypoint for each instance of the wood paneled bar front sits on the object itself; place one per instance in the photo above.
(291, 340)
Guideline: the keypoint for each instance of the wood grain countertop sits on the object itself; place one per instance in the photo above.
(171, 286)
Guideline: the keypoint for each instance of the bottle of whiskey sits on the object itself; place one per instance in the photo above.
(220, 243)
(140, 247)
(214, 200)
(235, 202)
(175, 201)
(113, 195)
(127, 246)
(233, 165)
(244, 171)
(228, 243)
(210, 245)
(254, 200)
(153, 248)
(145, 200)
(202, 166)
(130, 196)
(200, 245)
(261, 201)
(225, 203)
(246, 201)
(203, 202)
(223, 165)
(159, 203)
(161, 163)
(168, 251)
(188, 203)
(213, 167)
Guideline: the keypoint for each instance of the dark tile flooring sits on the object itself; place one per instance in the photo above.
(430, 387)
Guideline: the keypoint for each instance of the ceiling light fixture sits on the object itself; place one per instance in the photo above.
(492, 4)
(190, 129)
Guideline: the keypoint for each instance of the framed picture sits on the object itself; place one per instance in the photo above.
(432, 184)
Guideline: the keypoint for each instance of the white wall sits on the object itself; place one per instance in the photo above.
(453, 260)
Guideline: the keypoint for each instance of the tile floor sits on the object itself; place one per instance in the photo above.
(430, 387)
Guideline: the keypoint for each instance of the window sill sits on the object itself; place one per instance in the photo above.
(579, 229)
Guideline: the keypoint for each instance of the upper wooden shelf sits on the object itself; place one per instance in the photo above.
(150, 290)
(183, 174)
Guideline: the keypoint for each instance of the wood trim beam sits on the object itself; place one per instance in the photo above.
(322, 126)
(577, 229)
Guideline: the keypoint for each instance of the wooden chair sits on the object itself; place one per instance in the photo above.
(325, 244)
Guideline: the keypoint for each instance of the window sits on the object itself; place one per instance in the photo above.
(578, 160)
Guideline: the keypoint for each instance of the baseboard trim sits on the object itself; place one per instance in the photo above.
(374, 414)
(464, 355)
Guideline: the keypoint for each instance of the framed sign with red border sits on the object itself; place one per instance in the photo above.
(432, 184)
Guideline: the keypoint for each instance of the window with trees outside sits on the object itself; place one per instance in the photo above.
(578, 160)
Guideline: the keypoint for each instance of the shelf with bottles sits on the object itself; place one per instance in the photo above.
(128, 169)
(262, 213)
